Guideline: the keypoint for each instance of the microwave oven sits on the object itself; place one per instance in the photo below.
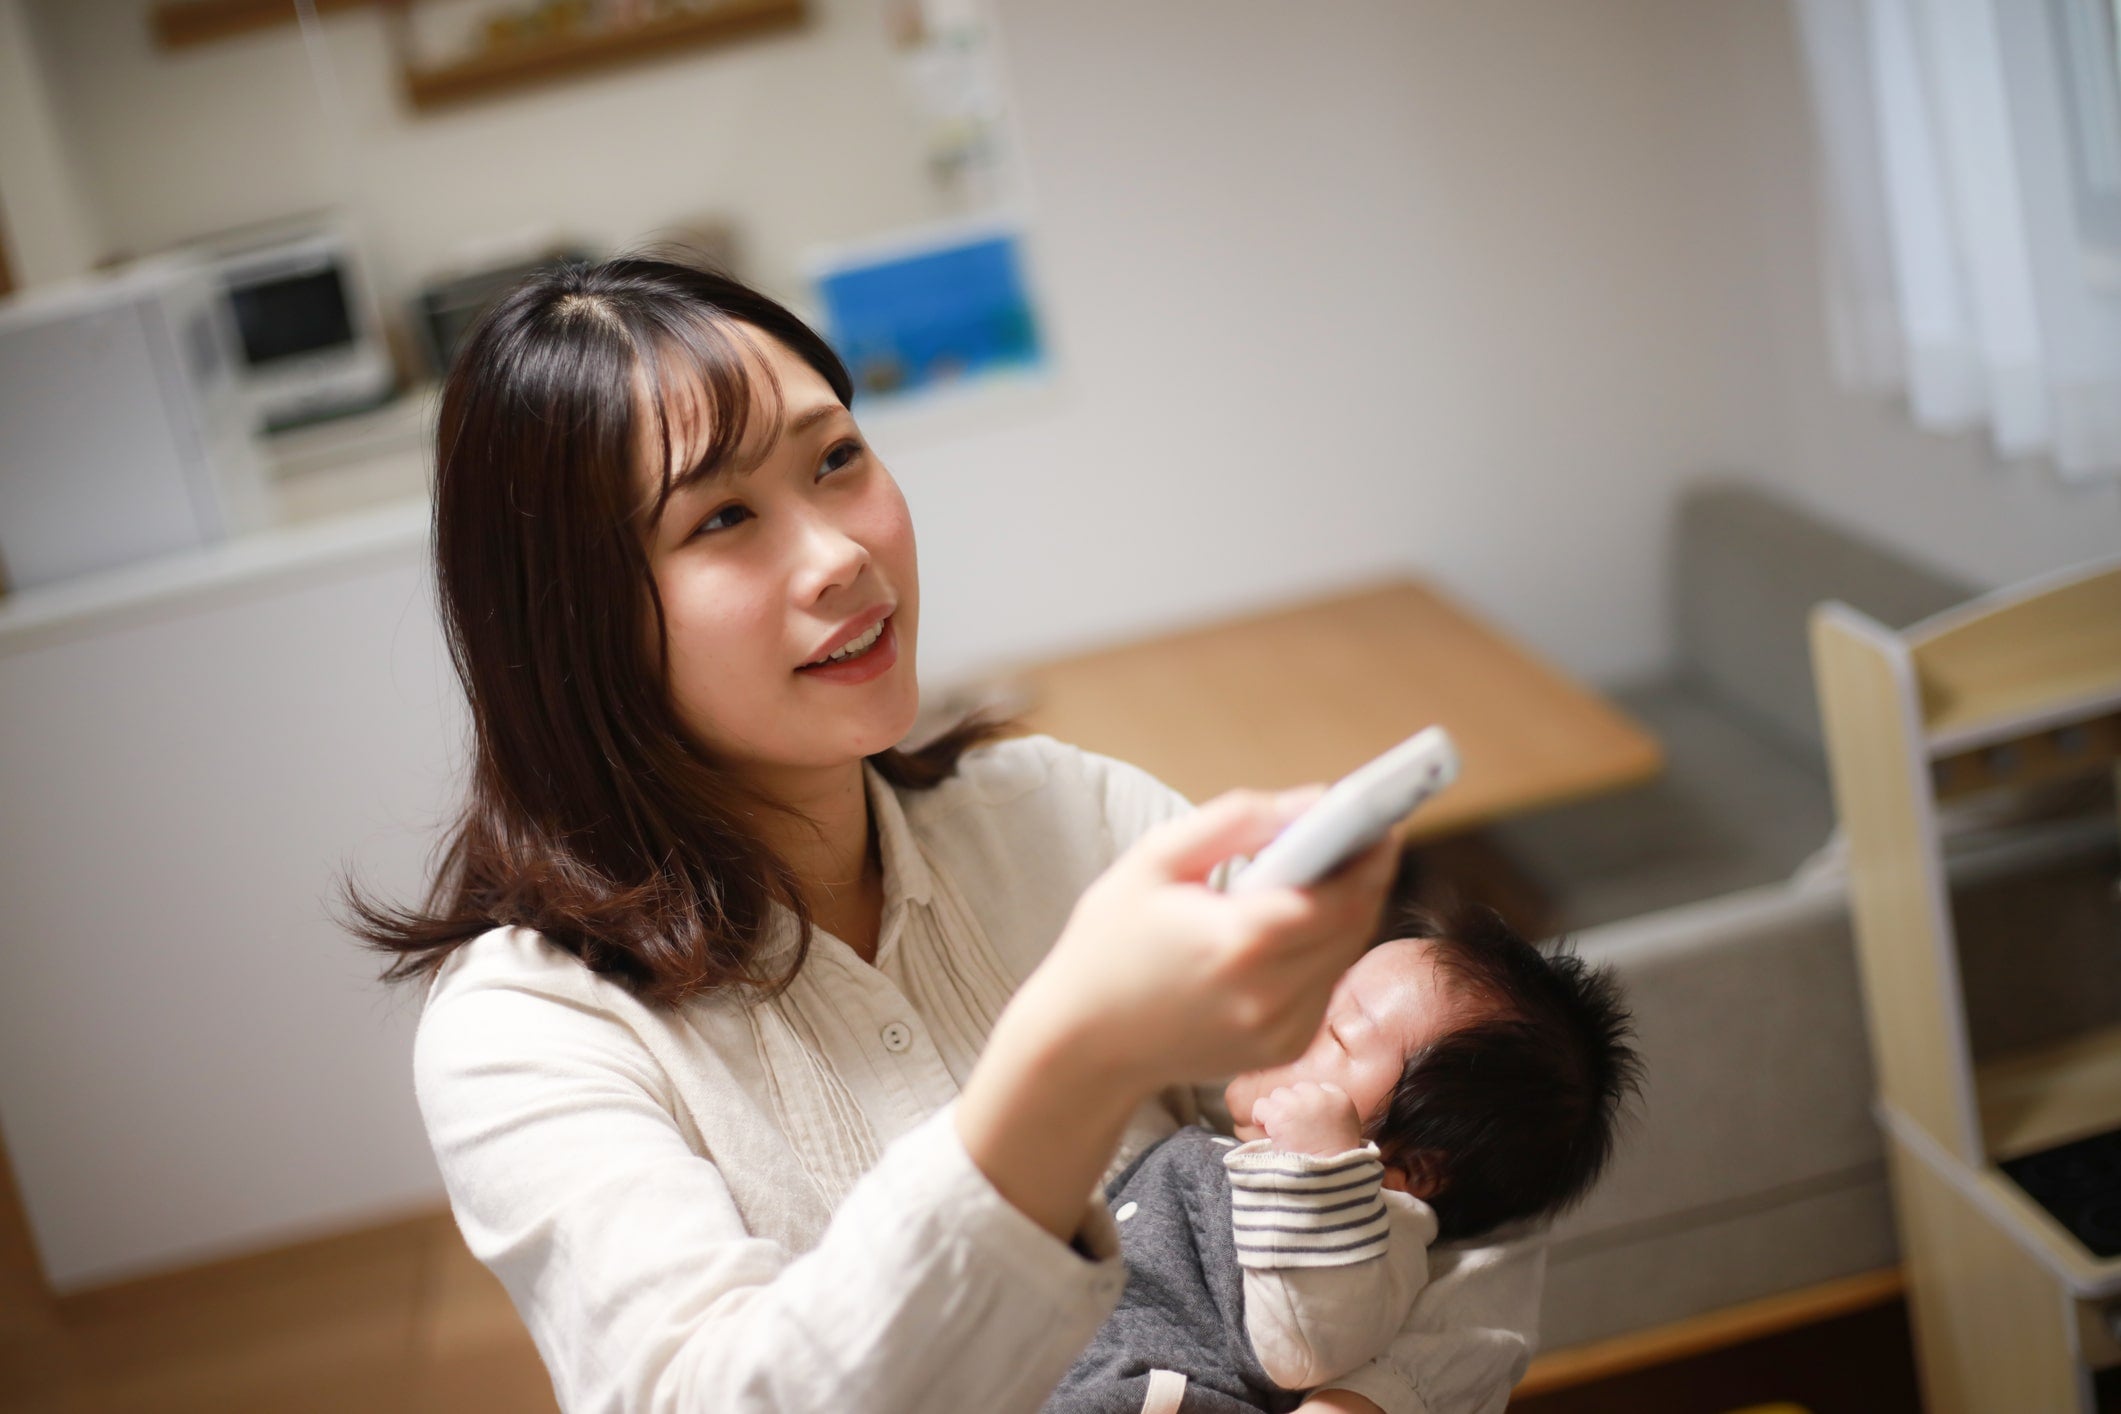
(123, 432)
(309, 336)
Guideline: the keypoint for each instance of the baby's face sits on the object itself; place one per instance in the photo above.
(1393, 1002)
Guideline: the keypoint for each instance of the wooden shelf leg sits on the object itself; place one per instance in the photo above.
(1995, 1333)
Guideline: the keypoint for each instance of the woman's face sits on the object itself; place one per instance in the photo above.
(768, 565)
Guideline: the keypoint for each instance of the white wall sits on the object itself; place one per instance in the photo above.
(1399, 286)
(1468, 290)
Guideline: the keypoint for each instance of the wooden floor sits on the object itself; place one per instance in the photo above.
(402, 1318)
(394, 1318)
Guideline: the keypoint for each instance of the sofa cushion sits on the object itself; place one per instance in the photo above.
(1747, 569)
(1614, 1283)
(1731, 809)
(1750, 1163)
(1757, 1075)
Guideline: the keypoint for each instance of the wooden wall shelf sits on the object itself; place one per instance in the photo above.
(178, 24)
(436, 86)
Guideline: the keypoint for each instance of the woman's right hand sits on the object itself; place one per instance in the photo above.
(1158, 979)
(1171, 981)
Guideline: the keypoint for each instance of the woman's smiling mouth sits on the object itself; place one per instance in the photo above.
(861, 644)
(868, 654)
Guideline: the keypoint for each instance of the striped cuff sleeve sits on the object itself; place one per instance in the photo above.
(1306, 1210)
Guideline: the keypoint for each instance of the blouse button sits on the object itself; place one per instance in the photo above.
(897, 1036)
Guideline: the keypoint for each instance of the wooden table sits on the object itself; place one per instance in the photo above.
(1310, 692)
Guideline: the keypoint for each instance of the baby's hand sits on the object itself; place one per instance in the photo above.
(1309, 1119)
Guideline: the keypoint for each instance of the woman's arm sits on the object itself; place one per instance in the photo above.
(628, 1260)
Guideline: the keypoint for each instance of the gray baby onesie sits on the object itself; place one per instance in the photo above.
(1183, 1307)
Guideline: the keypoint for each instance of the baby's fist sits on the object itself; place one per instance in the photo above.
(1307, 1118)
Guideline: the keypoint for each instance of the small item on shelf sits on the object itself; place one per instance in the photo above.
(546, 22)
(449, 305)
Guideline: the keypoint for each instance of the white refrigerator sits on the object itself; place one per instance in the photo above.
(123, 436)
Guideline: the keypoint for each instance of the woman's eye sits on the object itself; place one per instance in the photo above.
(840, 454)
(722, 519)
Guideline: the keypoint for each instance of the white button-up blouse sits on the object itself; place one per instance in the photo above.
(748, 1208)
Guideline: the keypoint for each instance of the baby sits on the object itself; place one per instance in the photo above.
(1462, 1080)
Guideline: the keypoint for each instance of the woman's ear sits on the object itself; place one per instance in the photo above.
(1419, 1175)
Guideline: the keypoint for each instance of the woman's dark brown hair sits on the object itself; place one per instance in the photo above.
(593, 816)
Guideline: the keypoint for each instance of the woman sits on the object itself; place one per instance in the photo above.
(771, 1067)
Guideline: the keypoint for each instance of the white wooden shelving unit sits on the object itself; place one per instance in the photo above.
(2011, 1312)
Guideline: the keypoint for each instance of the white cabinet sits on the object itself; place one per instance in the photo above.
(194, 1059)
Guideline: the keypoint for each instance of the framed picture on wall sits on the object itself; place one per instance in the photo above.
(930, 308)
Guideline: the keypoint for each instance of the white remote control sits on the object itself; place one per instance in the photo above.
(1355, 814)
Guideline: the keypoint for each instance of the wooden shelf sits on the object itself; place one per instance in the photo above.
(2047, 1097)
(178, 24)
(1969, 724)
(2020, 660)
(2088, 1278)
(2018, 687)
(2075, 745)
(2035, 1101)
(438, 86)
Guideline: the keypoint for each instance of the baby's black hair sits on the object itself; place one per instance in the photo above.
(1513, 1116)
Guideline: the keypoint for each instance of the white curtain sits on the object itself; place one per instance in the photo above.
(1971, 169)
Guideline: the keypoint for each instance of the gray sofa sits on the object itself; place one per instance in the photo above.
(1752, 1165)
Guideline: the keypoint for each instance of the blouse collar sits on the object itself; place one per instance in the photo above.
(905, 871)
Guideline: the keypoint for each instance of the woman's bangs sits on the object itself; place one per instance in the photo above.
(702, 369)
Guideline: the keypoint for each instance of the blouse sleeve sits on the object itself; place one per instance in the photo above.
(625, 1254)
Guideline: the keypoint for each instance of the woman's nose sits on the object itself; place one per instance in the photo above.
(831, 558)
